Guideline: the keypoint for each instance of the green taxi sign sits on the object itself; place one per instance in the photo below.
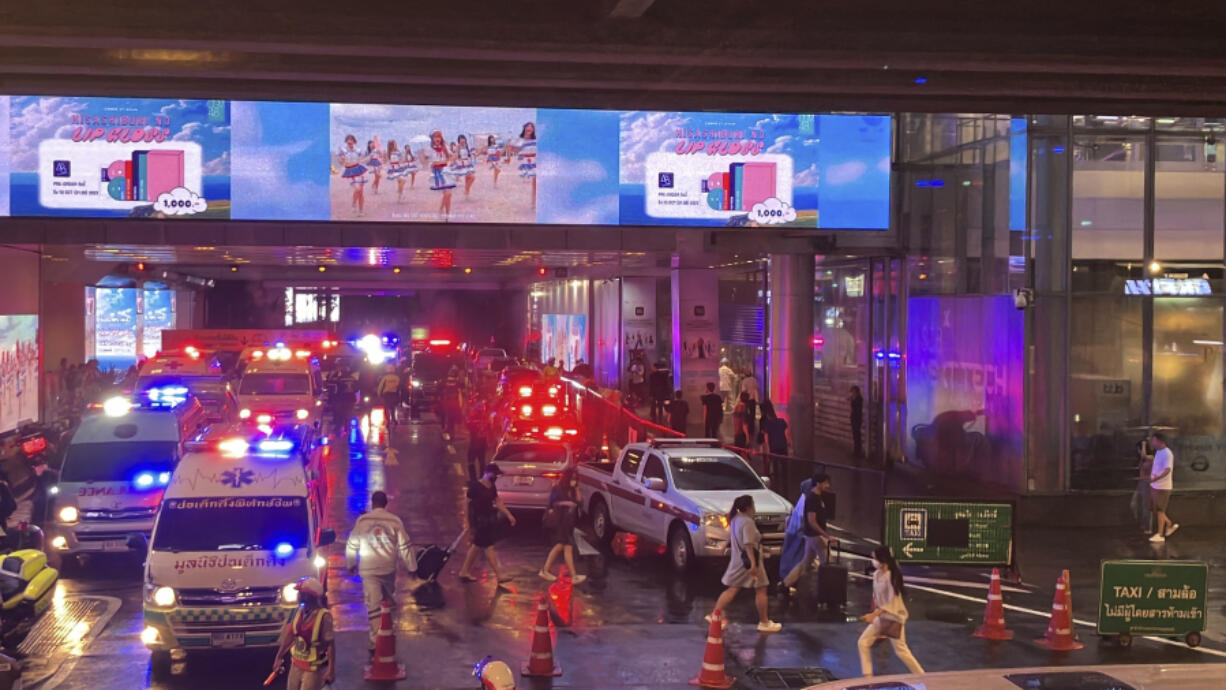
(949, 531)
(1166, 598)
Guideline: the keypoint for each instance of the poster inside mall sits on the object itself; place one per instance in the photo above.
(18, 369)
(159, 313)
(564, 339)
(115, 327)
(119, 157)
(433, 163)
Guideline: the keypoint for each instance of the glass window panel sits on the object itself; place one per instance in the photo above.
(1187, 387)
(1189, 198)
(1108, 197)
(1105, 392)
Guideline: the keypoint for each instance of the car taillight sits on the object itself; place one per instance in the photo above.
(554, 433)
(551, 475)
(34, 445)
(572, 432)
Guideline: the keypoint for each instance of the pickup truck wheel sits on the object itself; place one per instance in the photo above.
(680, 549)
(602, 524)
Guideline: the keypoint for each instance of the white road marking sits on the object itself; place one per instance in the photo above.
(961, 583)
(1046, 614)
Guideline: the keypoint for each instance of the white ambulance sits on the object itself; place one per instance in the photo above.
(239, 525)
(280, 385)
(116, 465)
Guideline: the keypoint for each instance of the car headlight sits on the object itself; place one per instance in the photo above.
(69, 515)
(289, 593)
(244, 413)
(715, 520)
(416, 383)
(161, 596)
(301, 414)
(320, 562)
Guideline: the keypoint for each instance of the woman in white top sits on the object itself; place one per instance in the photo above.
(889, 617)
(746, 569)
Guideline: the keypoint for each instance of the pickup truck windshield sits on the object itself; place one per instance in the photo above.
(275, 384)
(713, 474)
(117, 462)
(231, 523)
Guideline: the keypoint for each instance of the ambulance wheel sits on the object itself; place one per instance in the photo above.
(159, 664)
(1125, 640)
(1193, 639)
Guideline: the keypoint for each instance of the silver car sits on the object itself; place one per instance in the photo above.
(530, 469)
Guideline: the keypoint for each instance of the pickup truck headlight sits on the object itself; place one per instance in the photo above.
(415, 383)
(289, 593)
(715, 520)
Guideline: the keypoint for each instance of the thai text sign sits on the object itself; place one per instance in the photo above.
(1152, 597)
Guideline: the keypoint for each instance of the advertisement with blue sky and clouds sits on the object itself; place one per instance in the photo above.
(280, 160)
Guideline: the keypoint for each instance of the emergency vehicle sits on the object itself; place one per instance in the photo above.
(239, 526)
(200, 373)
(116, 465)
(280, 385)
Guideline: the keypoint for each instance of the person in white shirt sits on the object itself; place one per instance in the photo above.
(377, 544)
(888, 619)
(1161, 484)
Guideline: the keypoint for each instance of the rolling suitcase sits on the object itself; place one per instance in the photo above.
(432, 558)
(832, 580)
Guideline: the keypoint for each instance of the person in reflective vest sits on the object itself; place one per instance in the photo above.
(310, 639)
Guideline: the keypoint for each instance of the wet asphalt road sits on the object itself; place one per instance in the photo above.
(634, 624)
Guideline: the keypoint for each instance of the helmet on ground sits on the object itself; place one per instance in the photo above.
(494, 674)
(311, 585)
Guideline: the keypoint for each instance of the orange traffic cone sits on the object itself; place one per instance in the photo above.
(993, 627)
(1059, 637)
(712, 674)
(540, 663)
(383, 666)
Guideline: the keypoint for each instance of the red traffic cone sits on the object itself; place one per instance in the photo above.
(540, 663)
(383, 666)
(712, 674)
(993, 627)
(561, 596)
(1059, 637)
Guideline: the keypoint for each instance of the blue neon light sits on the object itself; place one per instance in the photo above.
(284, 549)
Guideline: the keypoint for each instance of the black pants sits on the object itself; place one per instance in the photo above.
(711, 428)
(657, 409)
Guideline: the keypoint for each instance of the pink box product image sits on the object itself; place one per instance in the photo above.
(165, 172)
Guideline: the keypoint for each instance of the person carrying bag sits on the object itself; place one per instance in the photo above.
(889, 616)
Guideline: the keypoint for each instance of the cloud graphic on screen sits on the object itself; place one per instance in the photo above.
(261, 166)
(560, 178)
(783, 144)
(808, 177)
(34, 119)
(180, 201)
(218, 166)
(845, 173)
(883, 165)
(772, 212)
(643, 133)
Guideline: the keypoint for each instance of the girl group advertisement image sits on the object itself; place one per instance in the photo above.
(420, 163)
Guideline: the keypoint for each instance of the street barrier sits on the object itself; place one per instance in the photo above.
(1163, 598)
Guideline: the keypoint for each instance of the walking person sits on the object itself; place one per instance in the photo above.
(309, 637)
(376, 546)
(388, 389)
(888, 618)
(727, 383)
(564, 502)
(740, 422)
(1142, 501)
(775, 430)
(816, 538)
(485, 515)
(713, 412)
(746, 568)
(679, 414)
(1162, 484)
(857, 421)
(749, 385)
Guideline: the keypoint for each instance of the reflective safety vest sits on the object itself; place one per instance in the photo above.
(305, 653)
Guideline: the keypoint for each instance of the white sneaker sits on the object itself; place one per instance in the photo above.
(1174, 526)
(547, 576)
(770, 627)
(1157, 538)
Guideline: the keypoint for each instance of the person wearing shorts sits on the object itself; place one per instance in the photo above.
(1161, 485)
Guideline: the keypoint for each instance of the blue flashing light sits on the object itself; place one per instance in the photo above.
(922, 183)
(921, 80)
(879, 354)
(144, 480)
(894, 355)
(163, 478)
(938, 183)
(284, 549)
(1057, 149)
(147, 480)
(274, 447)
(280, 345)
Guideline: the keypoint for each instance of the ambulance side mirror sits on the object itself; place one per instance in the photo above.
(327, 536)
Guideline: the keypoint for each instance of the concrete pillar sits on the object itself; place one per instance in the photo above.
(790, 363)
(695, 306)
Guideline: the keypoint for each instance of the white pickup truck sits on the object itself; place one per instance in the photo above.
(678, 492)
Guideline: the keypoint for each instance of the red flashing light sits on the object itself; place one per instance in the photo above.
(526, 410)
(525, 391)
(140, 265)
(549, 410)
(819, 341)
(264, 419)
(302, 354)
(257, 355)
(34, 445)
(541, 271)
(440, 342)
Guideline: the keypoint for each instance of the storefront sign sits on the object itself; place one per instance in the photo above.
(285, 161)
(1152, 597)
(949, 531)
(1174, 287)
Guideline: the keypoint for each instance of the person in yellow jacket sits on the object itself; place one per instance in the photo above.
(310, 639)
